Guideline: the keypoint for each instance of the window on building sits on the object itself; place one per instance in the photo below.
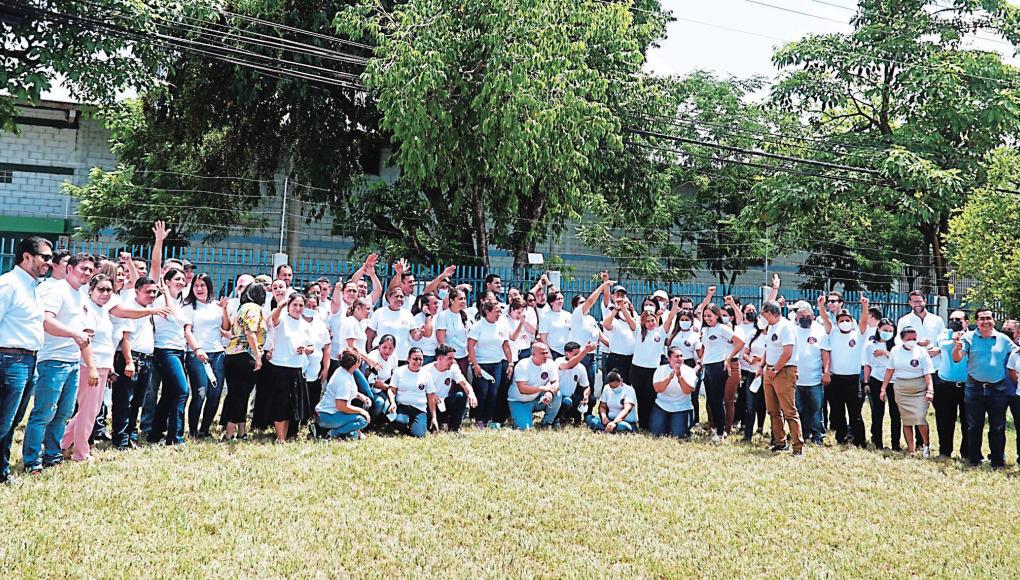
(6, 176)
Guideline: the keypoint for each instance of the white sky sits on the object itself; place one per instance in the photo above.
(699, 38)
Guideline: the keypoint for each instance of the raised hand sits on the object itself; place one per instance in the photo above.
(160, 230)
(711, 291)
(775, 281)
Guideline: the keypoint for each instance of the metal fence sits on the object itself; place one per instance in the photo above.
(224, 265)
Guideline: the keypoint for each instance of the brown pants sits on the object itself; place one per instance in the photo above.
(730, 394)
(781, 403)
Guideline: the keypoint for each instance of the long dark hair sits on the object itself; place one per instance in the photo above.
(205, 279)
(454, 294)
(878, 334)
(253, 294)
(421, 302)
(676, 323)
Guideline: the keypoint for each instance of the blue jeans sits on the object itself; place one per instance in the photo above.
(979, 401)
(596, 424)
(205, 398)
(379, 400)
(56, 388)
(677, 424)
(809, 407)
(456, 403)
(170, 408)
(340, 424)
(487, 391)
(17, 381)
(127, 396)
(413, 419)
(523, 413)
(589, 366)
(149, 400)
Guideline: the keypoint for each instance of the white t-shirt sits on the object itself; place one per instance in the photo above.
(103, 345)
(66, 303)
(583, 327)
(427, 344)
(399, 323)
(674, 399)
(615, 399)
(534, 375)
(290, 334)
(746, 331)
(205, 320)
(877, 363)
(779, 336)
(930, 328)
(169, 331)
(141, 329)
(688, 341)
(489, 337)
(350, 328)
(718, 343)
(319, 332)
(757, 348)
(621, 338)
(412, 388)
(570, 379)
(456, 331)
(385, 373)
(910, 364)
(648, 351)
(810, 344)
(845, 349)
(443, 381)
(340, 386)
(557, 326)
(1013, 363)
(522, 341)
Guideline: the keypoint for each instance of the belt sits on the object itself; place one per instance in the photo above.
(786, 366)
(140, 355)
(14, 350)
(985, 384)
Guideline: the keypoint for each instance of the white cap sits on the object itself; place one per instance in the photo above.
(660, 294)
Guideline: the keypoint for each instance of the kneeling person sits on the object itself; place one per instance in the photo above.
(453, 392)
(414, 395)
(617, 407)
(336, 414)
(573, 376)
(535, 388)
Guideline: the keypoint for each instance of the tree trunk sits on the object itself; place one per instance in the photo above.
(481, 238)
(938, 253)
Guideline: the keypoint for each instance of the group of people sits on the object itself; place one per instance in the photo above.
(402, 357)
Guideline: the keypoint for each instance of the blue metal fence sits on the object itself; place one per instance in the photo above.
(224, 265)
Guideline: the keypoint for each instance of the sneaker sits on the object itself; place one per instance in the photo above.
(798, 453)
(494, 425)
(780, 448)
(479, 425)
(715, 438)
(34, 469)
(926, 452)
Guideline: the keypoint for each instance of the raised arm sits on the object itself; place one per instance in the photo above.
(863, 323)
(601, 290)
(826, 319)
(434, 284)
(160, 232)
(707, 300)
(774, 294)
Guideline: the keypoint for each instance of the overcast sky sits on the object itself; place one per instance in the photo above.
(737, 37)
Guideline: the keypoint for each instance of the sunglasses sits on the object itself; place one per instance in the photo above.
(833, 301)
(104, 290)
(46, 257)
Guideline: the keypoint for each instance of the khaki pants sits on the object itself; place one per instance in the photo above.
(781, 403)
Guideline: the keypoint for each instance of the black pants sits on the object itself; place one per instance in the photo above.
(241, 376)
(948, 403)
(1014, 409)
(127, 396)
(846, 400)
(878, 414)
(696, 395)
(620, 363)
(641, 378)
(755, 405)
(715, 389)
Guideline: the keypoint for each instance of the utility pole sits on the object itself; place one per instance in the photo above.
(283, 212)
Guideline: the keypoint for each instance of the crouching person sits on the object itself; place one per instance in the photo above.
(574, 385)
(453, 393)
(337, 417)
(535, 388)
(414, 396)
(617, 407)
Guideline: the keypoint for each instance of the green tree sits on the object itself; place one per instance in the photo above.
(982, 240)
(501, 115)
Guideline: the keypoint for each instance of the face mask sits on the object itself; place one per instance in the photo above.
(885, 335)
(443, 293)
(909, 344)
(751, 317)
(762, 323)
(685, 325)
(725, 319)
(309, 313)
(955, 325)
(846, 326)
(804, 322)
(650, 309)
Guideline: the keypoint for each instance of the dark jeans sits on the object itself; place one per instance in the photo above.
(618, 362)
(240, 373)
(676, 424)
(641, 378)
(1014, 409)
(754, 405)
(17, 381)
(715, 389)
(948, 403)
(412, 420)
(809, 408)
(696, 395)
(205, 396)
(488, 391)
(979, 401)
(128, 394)
(845, 399)
(173, 398)
(453, 416)
(590, 367)
(377, 410)
(878, 414)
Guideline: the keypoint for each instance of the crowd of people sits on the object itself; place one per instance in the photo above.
(150, 347)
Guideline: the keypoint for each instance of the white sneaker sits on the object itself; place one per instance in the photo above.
(926, 452)
(715, 438)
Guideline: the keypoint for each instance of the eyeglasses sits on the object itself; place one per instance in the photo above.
(959, 319)
(416, 358)
(46, 257)
(104, 290)
(836, 301)
(986, 318)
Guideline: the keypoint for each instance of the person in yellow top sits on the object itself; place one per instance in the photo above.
(243, 357)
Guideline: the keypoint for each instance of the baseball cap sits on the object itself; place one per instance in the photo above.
(619, 288)
(660, 294)
(263, 279)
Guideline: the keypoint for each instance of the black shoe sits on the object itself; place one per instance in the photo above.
(102, 436)
(780, 448)
(203, 435)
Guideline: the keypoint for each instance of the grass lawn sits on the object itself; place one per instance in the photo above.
(549, 503)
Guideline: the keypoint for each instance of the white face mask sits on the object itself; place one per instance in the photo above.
(309, 313)
(846, 326)
(685, 325)
(909, 344)
(885, 335)
(650, 309)
(725, 319)
(443, 293)
(762, 323)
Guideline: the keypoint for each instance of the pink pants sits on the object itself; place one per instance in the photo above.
(79, 428)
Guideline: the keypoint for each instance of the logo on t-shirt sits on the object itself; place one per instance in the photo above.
(656, 339)
(545, 375)
(915, 363)
(421, 386)
(447, 381)
(713, 337)
(775, 338)
(853, 343)
(687, 343)
(577, 379)
(812, 340)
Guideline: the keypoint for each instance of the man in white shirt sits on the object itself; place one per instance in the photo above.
(134, 367)
(59, 359)
(779, 378)
(21, 337)
(535, 388)
(929, 327)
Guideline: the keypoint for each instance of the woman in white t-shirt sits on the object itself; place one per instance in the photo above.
(554, 325)
(719, 345)
(396, 320)
(425, 310)
(751, 359)
(452, 327)
(490, 357)
(687, 337)
(520, 342)
(168, 355)
(292, 343)
(617, 407)
(317, 366)
(673, 411)
(620, 325)
(910, 370)
(649, 347)
(378, 370)
(414, 397)
(94, 372)
(876, 361)
(336, 415)
(202, 320)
